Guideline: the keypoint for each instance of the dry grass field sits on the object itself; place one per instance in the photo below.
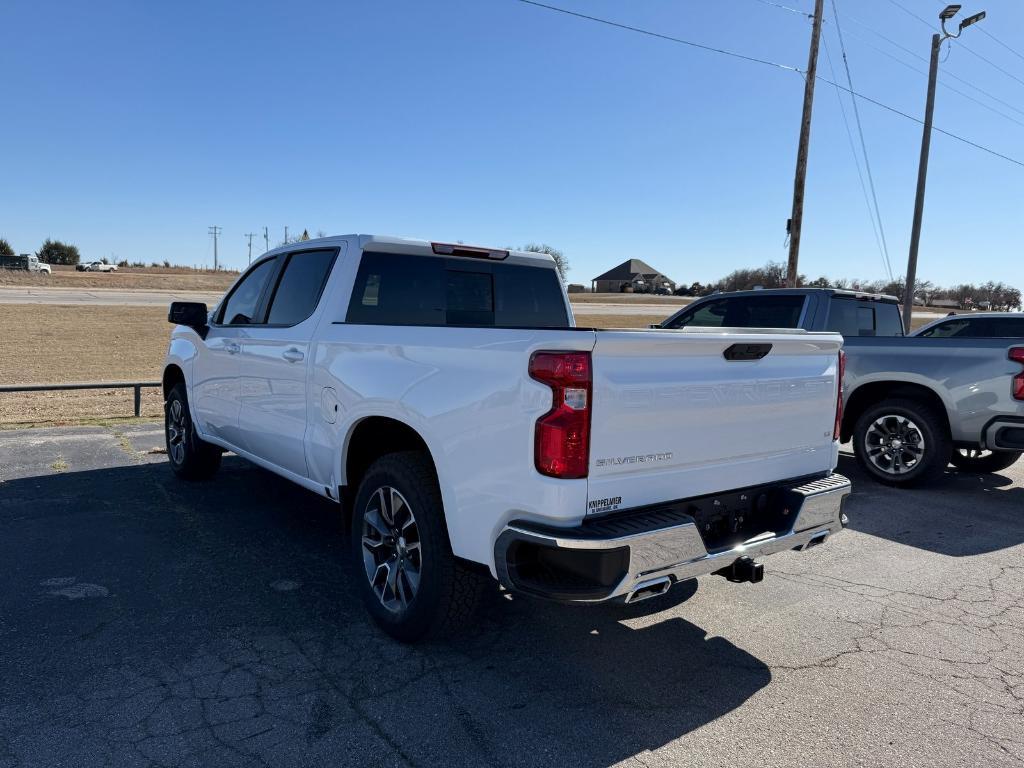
(155, 278)
(58, 344)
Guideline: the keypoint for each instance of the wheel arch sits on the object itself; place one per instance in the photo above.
(173, 375)
(872, 393)
(371, 437)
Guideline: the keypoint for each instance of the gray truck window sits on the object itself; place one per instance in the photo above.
(298, 291)
(854, 317)
(766, 311)
(398, 289)
(240, 307)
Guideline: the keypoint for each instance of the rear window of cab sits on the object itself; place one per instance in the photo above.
(400, 289)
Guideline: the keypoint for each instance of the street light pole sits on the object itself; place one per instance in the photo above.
(926, 140)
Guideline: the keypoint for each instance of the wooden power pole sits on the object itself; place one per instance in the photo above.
(797, 219)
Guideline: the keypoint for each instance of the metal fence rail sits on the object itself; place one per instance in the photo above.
(136, 385)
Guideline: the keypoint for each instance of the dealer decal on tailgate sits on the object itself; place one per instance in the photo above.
(604, 505)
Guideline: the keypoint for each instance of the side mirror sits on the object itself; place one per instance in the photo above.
(189, 313)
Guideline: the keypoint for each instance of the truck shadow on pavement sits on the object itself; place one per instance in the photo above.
(963, 514)
(145, 619)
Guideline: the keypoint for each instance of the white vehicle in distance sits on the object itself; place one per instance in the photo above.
(96, 266)
(442, 395)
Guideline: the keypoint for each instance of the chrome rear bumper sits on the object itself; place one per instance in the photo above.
(641, 554)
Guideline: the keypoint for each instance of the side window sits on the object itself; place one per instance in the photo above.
(711, 314)
(947, 330)
(765, 311)
(298, 291)
(240, 307)
(1012, 327)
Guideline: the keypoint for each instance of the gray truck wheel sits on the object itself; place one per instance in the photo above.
(411, 583)
(190, 457)
(902, 442)
(977, 460)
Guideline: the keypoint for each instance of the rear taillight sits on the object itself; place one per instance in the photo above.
(1017, 355)
(839, 395)
(562, 435)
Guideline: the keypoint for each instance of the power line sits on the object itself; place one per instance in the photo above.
(860, 132)
(931, 26)
(776, 65)
(786, 8)
(919, 121)
(967, 96)
(660, 36)
(996, 39)
(918, 56)
(856, 162)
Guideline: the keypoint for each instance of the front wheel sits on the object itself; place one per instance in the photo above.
(191, 458)
(411, 583)
(902, 442)
(978, 460)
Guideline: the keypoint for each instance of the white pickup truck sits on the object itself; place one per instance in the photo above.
(444, 397)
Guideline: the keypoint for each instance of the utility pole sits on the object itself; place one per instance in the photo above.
(266, 239)
(797, 219)
(250, 235)
(926, 141)
(286, 234)
(215, 231)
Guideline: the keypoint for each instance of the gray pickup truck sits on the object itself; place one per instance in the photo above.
(913, 405)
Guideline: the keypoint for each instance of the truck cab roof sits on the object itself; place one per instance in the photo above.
(417, 247)
(843, 292)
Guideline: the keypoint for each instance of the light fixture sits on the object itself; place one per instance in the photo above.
(949, 12)
(972, 20)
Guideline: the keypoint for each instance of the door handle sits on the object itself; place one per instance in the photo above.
(292, 355)
(232, 349)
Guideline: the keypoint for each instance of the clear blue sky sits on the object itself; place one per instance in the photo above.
(131, 127)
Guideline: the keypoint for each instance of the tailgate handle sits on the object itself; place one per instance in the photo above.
(747, 351)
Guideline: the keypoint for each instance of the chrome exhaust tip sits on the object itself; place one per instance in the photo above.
(647, 589)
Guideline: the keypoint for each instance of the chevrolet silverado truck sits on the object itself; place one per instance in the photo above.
(443, 397)
(913, 405)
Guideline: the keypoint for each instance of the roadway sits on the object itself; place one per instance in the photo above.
(147, 621)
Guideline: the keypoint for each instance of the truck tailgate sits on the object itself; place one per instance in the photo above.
(674, 418)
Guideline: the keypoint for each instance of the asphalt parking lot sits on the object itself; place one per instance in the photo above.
(144, 621)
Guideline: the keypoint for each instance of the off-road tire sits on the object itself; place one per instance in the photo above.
(932, 428)
(448, 592)
(190, 457)
(995, 461)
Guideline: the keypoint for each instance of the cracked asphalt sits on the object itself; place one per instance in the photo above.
(149, 622)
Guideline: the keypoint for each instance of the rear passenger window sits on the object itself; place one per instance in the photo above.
(299, 288)
(398, 289)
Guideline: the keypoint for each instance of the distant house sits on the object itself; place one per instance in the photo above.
(946, 304)
(633, 276)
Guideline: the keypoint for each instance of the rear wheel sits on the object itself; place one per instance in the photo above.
(902, 442)
(978, 460)
(411, 583)
(191, 458)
